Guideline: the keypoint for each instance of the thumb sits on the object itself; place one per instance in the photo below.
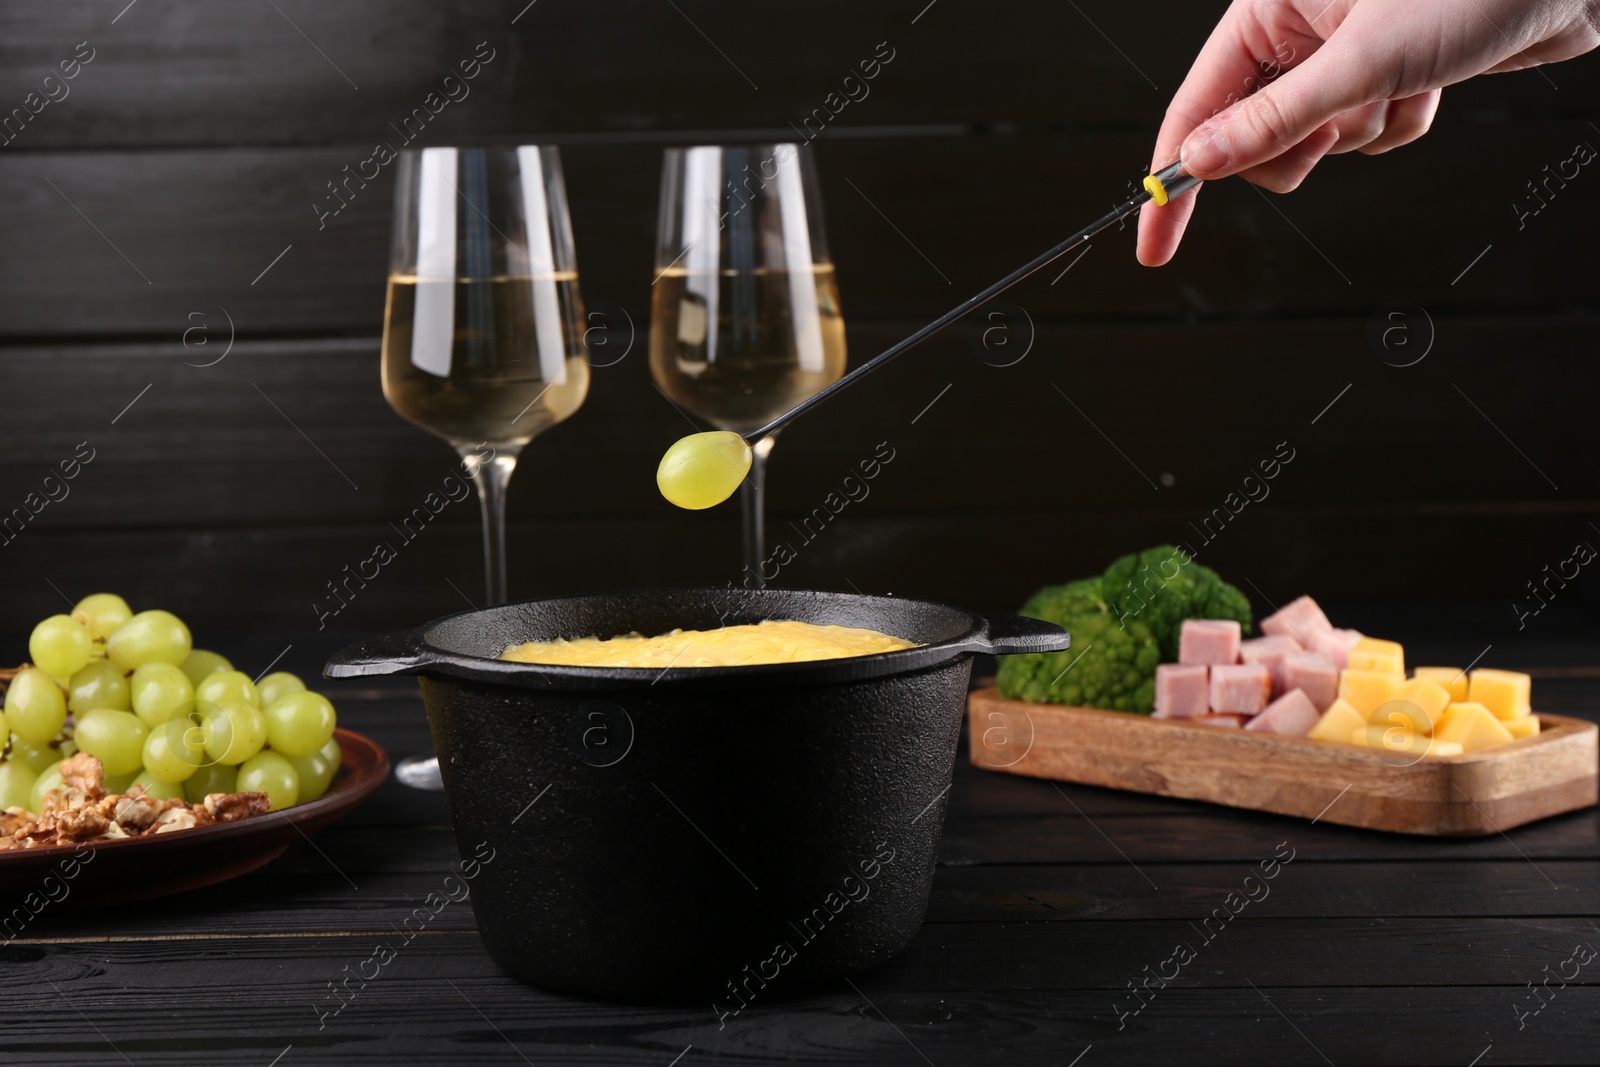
(1284, 113)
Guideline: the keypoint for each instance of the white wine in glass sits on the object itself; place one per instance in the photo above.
(754, 361)
(494, 389)
(744, 319)
(483, 328)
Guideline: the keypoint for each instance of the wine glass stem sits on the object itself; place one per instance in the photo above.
(492, 476)
(754, 497)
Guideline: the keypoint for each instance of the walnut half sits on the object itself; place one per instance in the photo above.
(230, 807)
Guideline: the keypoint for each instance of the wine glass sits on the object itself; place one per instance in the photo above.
(483, 329)
(744, 311)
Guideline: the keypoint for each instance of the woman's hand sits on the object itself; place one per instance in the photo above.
(1282, 83)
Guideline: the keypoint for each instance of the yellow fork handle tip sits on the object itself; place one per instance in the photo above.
(1157, 191)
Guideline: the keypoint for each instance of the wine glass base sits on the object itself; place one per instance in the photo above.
(420, 772)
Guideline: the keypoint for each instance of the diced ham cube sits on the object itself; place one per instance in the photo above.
(1241, 688)
(1182, 691)
(1208, 642)
(1297, 619)
(1312, 672)
(1270, 651)
(1335, 645)
(1231, 721)
(1292, 714)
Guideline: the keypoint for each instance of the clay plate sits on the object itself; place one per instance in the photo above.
(140, 868)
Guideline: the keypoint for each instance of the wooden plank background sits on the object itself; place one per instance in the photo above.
(191, 148)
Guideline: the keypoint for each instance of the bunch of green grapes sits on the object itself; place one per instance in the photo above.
(158, 712)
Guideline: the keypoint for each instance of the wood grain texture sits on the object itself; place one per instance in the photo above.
(1453, 796)
(250, 426)
(190, 152)
(1038, 922)
(1426, 889)
(474, 1016)
(303, 891)
(560, 68)
(237, 474)
(199, 138)
(968, 561)
(1060, 958)
(175, 73)
(913, 224)
(1240, 836)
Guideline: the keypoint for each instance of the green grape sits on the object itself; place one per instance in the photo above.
(278, 684)
(175, 749)
(199, 663)
(35, 706)
(119, 783)
(47, 780)
(217, 778)
(102, 613)
(61, 645)
(16, 785)
(702, 470)
(116, 737)
(234, 733)
(69, 748)
(333, 754)
(149, 637)
(158, 789)
(160, 691)
(35, 757)
(300, 723)
(224, 688)
(99, 685)
(315, 772)
(270, 773)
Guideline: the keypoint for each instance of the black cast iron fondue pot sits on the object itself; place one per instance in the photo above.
(721, 833)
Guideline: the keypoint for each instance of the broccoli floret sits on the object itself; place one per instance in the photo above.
(1056, 602)
(1108, 666)
(1163, 586)
(1122, 624)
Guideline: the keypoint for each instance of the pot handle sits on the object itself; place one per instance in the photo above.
(1010, 635)
(395, 653)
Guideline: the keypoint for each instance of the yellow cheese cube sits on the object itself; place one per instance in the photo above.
(1449, 677)
(1506, 693)
(1338, 723)
(1395, 740)
(1365, 690)
(1371, 654)
(1416, 705)
(1527, 726)
(1473, 727)
(1444, 748)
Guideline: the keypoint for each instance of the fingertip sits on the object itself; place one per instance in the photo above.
(1160, 231)
(1151, 256)
(1147, 250)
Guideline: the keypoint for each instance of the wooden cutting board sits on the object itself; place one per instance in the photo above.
(1452, 796)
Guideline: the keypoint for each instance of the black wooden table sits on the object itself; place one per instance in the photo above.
(1050, 905)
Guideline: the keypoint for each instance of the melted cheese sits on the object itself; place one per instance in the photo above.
(769, 641)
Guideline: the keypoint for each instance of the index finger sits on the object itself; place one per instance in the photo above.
(1237, 58)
